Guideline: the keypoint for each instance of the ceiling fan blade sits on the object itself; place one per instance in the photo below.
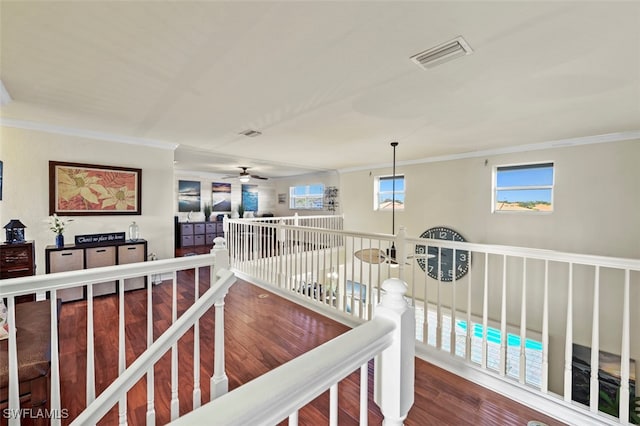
(371, 255)
(259, 177)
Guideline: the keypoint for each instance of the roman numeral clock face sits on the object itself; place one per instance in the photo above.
(440, 263)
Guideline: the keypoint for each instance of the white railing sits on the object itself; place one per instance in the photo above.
(280, 393)
(522, 317)
(52, 283)
(144, 363)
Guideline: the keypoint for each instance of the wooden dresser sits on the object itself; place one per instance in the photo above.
(192, 234)
(18, 260)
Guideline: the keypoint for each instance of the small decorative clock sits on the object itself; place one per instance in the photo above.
(440, 262)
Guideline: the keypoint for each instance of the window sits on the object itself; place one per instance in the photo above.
(306, 197)
(527, 187)
(383, 190)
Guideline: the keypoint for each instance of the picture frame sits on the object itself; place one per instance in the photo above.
(250, 197)
(78, 189)
(188, 196)
(221, 196)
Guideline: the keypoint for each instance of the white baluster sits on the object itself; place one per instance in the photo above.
(151, 412)
(175, 404)
(219, 380)
(594, 385)
(122, 361)
(333, 405)
(625, 353)
(485, 312)
(196, 350)
(503, 319)
(468, 339)
(14, 390)
(439, 304)
(364, 394)
(523, 324)
(91, 370)
(293, 419)
(55, 360)
(568, 349)
(452, 334)
(544, 386)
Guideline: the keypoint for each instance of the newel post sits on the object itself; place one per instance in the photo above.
(394, 367)
(221, 257)
(219, 381)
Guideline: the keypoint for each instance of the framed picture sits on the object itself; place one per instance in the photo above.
(221, 196)
(250, 197)
(89, 189)
(188, 196)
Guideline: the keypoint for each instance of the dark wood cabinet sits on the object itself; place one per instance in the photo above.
(18, 260)
(193, 234)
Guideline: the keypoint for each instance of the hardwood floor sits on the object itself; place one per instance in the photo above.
(262, 331)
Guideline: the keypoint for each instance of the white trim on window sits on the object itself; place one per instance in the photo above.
(306, 197)
(382, 197)
(523, 188)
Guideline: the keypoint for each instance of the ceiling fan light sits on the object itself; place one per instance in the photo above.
(244, 179)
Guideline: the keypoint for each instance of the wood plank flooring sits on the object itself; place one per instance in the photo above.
(262, 331)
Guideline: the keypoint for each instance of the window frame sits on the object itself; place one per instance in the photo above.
(377, 192)
(529, 165)
(307, 196)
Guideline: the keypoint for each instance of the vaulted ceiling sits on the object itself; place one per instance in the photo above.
(329, 84)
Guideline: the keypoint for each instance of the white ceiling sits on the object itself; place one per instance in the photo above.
(329, 84)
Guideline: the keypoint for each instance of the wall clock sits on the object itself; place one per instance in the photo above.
(440, 265)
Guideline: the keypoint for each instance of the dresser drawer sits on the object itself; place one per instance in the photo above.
(67, 260)
(186, 229)
(198, 240)
(210, 228)
(186, 241)
(98, 257)
(132, 253)
(198, 228)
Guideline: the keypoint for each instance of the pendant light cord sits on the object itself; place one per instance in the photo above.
(393, 193)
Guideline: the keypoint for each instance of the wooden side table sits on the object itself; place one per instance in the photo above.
(18, 260)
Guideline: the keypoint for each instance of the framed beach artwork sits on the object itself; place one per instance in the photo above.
(188, 196)
(90, 189)
(221, 197)
(250, 198)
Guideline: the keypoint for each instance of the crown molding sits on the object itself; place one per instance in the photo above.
(562, 143)
(84, 133)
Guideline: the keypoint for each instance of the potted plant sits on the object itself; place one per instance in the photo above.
(207, 212)
(241, 210)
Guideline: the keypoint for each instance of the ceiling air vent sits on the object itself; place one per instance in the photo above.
(251, 133)
(442, 53)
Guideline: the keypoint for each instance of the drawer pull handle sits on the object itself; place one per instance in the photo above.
(132, 248)
(67, 254)
(101, 251)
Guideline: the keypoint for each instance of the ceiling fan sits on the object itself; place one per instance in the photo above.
(244, 176)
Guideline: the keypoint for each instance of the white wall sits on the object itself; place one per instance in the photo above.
(282, 186)
(596, 211)
(26, 155)
(595, 194)
(266, 193)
